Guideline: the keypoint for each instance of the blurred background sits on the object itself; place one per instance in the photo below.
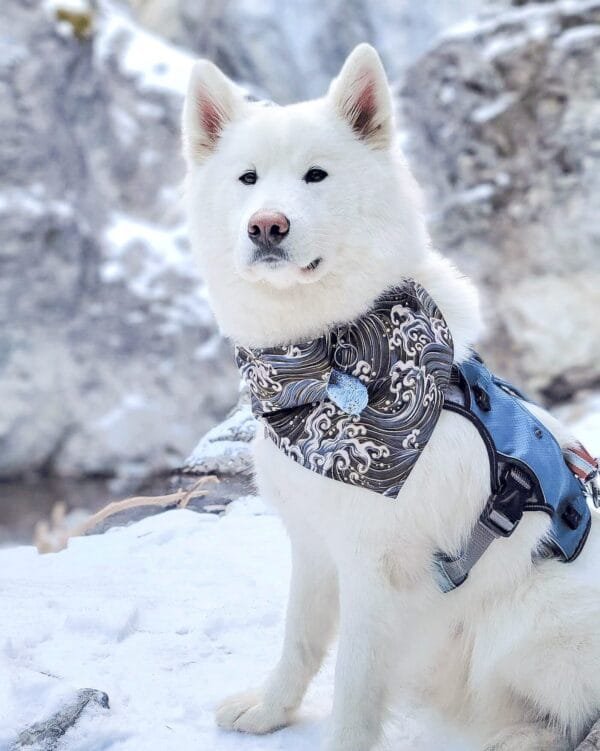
(111, 367)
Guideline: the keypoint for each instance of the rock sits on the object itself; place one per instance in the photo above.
(592, 741)
(291, 50)
(542, 318)
(225, 449)
(46, 735)
(504, 131)
(110, 362)
(583, 416)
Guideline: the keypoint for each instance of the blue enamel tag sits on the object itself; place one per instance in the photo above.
(347, 392)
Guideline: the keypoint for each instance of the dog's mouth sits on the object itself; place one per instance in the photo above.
(312, 266)
(281, 270)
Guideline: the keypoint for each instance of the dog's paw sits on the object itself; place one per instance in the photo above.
(247, 713)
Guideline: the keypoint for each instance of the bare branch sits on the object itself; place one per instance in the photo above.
(54, 536)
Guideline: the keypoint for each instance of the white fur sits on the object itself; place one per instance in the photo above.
(512, 656)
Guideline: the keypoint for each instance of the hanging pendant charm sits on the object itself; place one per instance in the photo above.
(347, 392)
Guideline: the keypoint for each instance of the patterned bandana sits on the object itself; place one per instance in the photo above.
(359, 403)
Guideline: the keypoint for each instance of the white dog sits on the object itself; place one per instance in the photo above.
(513, 655)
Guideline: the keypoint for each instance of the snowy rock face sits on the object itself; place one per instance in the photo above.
(292, 49)
(504, 120)
(225, 449)
(109, 357)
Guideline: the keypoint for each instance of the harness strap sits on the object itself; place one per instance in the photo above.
(581, 463)
(452, 572)
(499, 518)
(525, 475)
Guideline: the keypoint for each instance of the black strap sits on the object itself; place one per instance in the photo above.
(511, 488)
(500, 518)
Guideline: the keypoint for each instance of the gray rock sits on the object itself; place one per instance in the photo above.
(225, 449)
(592, 741)
(109, 358)
(292, 49)
(46, 735)
(504, 123)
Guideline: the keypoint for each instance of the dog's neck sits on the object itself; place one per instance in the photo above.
(359, 403)
(457, 298)
(257, 315)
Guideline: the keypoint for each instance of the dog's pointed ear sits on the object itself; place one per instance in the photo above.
(212, 101)
(361, 96)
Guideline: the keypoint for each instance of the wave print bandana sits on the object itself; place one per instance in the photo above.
(360, 403)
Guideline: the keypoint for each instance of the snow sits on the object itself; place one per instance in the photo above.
(579, 34)
(33, 201)
(226, 448)
(476, 194)
(537, 17)
(167, 248)
(154, 63)
(166, 616)
(11, 52)
(74, 6)
(588, 430)
(146, 257)
(491, 110)
(497, 47)
(583, 415)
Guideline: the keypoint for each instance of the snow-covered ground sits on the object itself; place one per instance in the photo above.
(167, 616)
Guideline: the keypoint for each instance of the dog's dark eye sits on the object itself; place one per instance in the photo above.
(249, 178)
(314, 175)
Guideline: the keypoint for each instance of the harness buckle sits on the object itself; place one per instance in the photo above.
(504, 508)
(593, 487)
(586, 468)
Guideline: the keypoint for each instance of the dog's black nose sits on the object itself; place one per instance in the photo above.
(268, 228)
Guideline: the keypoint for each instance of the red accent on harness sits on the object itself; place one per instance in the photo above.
(581, 462)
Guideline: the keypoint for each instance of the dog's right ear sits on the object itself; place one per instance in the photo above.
(212, 101)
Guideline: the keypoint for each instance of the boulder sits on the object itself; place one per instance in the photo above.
(110, 362)
(291, 50)
(503, 121)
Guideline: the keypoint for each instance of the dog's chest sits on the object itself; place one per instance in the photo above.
(333, 514)
(440, 501)
(397, 357)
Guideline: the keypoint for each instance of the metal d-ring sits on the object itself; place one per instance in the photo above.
(345, 354)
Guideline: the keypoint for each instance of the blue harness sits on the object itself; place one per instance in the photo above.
(527, 469)
(359, 404)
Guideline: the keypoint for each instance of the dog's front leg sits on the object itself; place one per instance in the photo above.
(363, 659)
(311, 619)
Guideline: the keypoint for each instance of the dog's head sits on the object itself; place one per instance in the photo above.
(300, 211)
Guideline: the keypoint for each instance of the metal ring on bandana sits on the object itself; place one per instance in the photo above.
(345, 355)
